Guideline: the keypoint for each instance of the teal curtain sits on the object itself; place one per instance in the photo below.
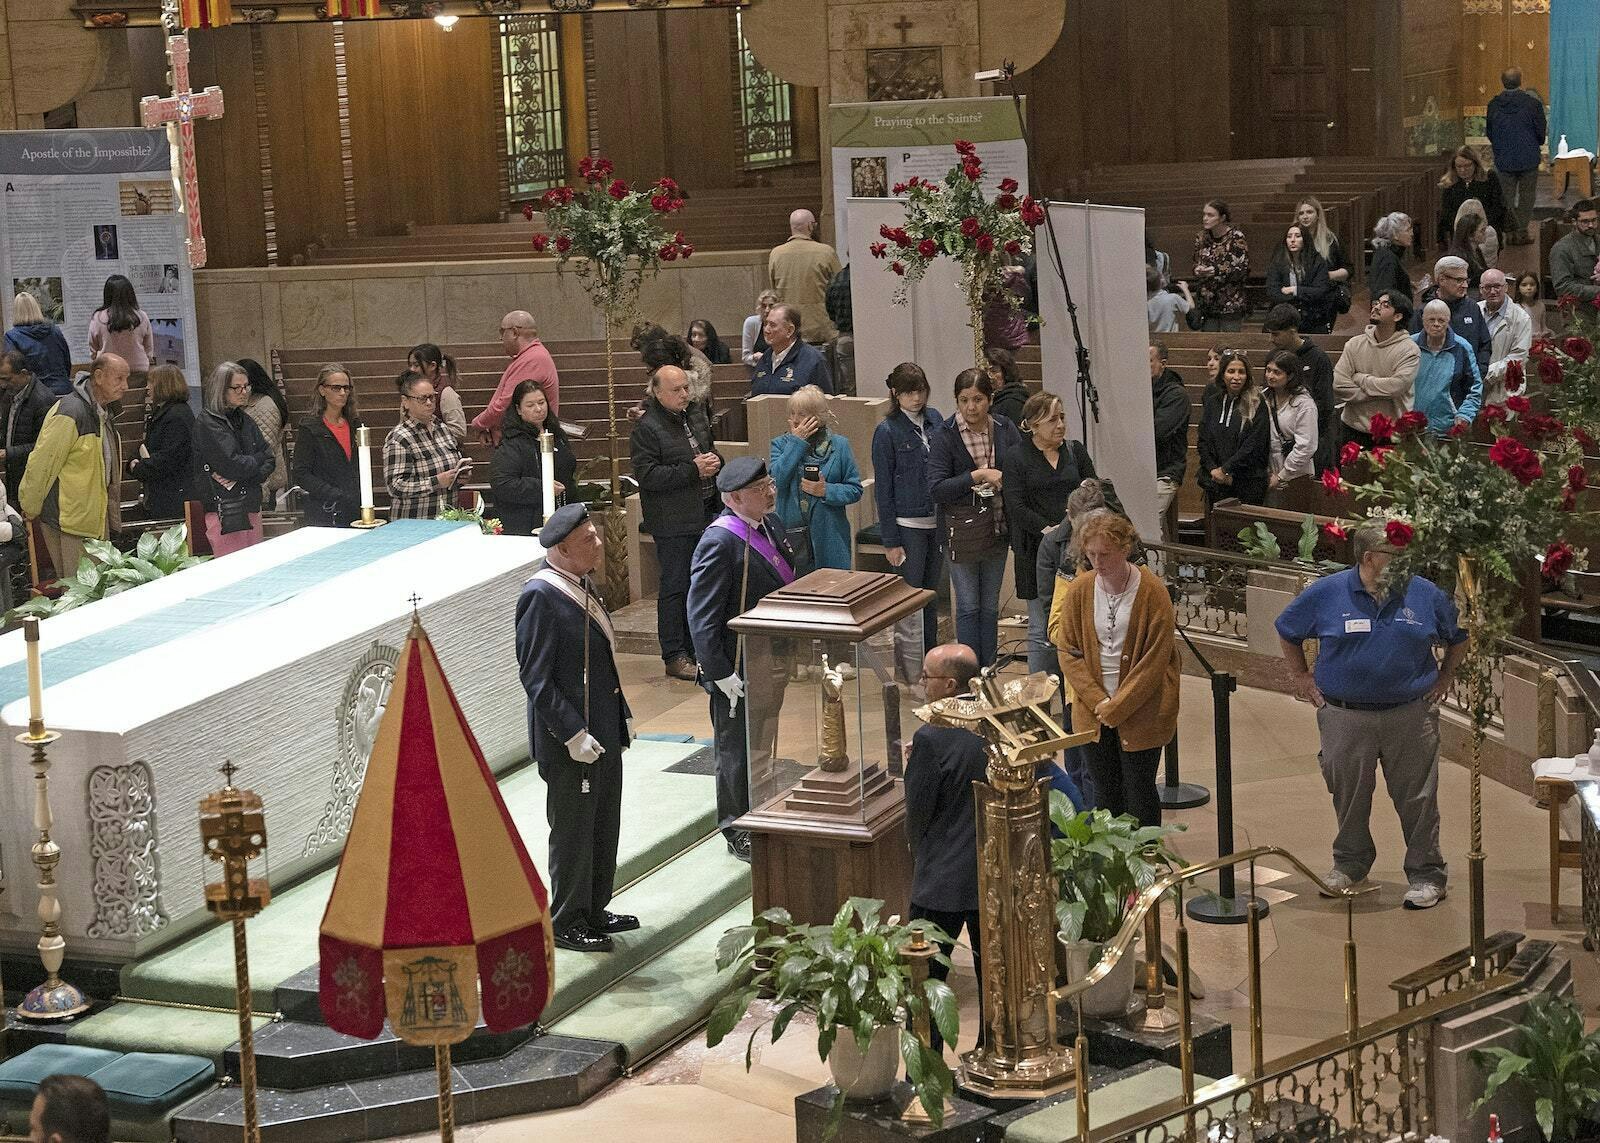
(1574, 73)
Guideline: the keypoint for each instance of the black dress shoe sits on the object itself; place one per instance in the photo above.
(617, 922)
(581, 938)
(739, 845)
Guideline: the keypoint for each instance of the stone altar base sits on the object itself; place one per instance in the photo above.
(882, 1122)
(1117, 1046)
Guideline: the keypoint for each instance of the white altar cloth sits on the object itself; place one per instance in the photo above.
(275, 657)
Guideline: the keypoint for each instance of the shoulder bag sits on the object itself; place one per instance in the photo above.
(975, 529)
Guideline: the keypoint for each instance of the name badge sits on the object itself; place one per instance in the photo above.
(1357, 626)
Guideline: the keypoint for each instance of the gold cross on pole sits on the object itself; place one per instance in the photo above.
(228, 770)
(179, 111)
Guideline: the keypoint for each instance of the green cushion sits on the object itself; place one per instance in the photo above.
(20, 1075)
(142, 1084)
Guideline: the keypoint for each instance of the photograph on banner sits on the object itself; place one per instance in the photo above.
(79, 206)
(879, 145)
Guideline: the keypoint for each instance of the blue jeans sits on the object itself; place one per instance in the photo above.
(977, 603)
(923, 567)
(1041, 652)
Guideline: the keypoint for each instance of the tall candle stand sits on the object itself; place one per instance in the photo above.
(54, 999)
(369, 518)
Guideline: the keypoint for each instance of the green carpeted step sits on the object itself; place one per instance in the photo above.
(673, 904)
(661, 1000)
(1128, 1095)
(662, 814)
(151, 1028)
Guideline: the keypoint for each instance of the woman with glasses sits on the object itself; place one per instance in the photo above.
(325, 458)
(516, 471)
(270, 412)
(440, 369)
(753, 342)
(422, 459)
(231, 460)
(167, 454)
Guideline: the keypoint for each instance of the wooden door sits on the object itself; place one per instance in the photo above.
(1296, 82)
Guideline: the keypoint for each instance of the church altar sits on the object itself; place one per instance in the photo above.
(278, 658)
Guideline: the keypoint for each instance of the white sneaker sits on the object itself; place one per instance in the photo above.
(1338, 881)
(1424, 895)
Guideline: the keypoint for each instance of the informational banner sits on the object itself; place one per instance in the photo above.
(77, 207)
(878, 145)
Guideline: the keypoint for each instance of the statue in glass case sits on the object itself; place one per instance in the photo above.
(835, 752)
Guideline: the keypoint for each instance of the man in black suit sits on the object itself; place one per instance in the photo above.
(940, 817)
(741, 558)
(578, 727)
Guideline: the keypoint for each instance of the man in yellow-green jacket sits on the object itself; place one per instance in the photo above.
(75, 462)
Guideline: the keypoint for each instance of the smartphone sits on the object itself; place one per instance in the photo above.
(812, 472)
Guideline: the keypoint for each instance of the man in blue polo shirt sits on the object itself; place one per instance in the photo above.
(1377, 690)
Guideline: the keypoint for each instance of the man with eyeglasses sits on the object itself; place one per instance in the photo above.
(1510, 328)
(530, 361)
(421, 460)
(1450, 287)
(1572, 259)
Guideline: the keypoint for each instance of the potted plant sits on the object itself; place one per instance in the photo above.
(1102, 863)
(850, 978)
(1561, 1069)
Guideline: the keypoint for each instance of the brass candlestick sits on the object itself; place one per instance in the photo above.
(233, 831)
(917, 954)
(54, 999)
(369, 518)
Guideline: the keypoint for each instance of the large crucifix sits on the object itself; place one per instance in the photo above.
(178, 111)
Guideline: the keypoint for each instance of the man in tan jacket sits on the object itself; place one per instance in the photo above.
(1377, 369)
(800, 270)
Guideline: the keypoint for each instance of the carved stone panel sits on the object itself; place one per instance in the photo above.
(122, 842)
(360, 709)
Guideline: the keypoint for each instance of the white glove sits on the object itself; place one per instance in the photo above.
(584, 748)
(733, 688)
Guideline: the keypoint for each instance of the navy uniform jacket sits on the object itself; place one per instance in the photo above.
(550, 629)
(803, 366)
(940, 821)
(714, 580)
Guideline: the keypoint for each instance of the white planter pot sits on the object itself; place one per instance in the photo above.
(865, 1078)
(1108, 998)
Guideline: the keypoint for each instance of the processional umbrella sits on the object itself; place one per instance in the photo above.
(436, 896)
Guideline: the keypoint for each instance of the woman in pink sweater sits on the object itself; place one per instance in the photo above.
(119, 326)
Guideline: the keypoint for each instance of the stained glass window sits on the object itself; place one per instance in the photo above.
(536, 149)
(766, 109)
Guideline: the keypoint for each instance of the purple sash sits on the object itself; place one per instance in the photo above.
(763, 544)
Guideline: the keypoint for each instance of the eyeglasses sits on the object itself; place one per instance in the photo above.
(336, 388)
(245, 388)
(428, 400)
(1452, 277)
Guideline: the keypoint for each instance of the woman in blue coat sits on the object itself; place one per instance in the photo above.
(906, 517)
(960, 474)
(815, 505)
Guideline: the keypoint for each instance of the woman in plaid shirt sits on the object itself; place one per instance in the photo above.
(421, 459)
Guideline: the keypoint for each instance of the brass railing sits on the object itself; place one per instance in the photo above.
(1370, 1081)
(1208, 586)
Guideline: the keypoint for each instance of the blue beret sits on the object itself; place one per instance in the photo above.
(740, 472)
(561, 523)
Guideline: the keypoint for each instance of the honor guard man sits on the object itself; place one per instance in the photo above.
(742, 557)
(578, 725)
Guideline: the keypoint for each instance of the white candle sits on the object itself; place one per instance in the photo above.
(30, 633)
(364, 446)
(547, 472)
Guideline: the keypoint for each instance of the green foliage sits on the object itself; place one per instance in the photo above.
(1259, 542)
(104, 571)
(1561, 1067)
(488, 525)
(1102, 863)
(1307, 548)
(846, 975)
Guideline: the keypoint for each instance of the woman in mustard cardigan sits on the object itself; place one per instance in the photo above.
(1121, 657)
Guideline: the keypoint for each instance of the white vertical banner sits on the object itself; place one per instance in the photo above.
(1103, 251)
(932, 328)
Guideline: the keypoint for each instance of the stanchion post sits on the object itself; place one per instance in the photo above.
(1227, 907)
(1175, 793)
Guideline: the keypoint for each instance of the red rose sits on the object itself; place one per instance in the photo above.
(527, 211)
(1577, 478)
(563, 244)
(684, 250)
(1550, 371)
(985, 244)
(901, 238)
(970, 226)
(1348, 453)
(1558, 559)
(1517, 459)
(1493, 414)
(1380, 453)
(667, 186)
(1567, 302)
(1381, 429)
(1584, 439)
(1006, 202)
(1332, 482)
(1538, 426)
(1332, 529)
(1513, 376)
(1399, 533)
(1578, 348)
(618, 190)
(1459, 429)
(1032, 213)
(668, 253)
(1541, 347)
(1013, 248)
(927, 248)
(550, 198)
(1505, 450)
(658, 203)
(1528, 469)
(897, 268)
(1411, 423)
(886, 231)
(1008, 186)
(898, 188)
(541, 243)
(878, 249)
(972, 169)
(1519, 405)
(965, 148)
(585, 166)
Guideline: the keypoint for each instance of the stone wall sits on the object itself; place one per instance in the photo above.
(249, 312)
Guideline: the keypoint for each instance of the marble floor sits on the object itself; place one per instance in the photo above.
(1279, 799)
